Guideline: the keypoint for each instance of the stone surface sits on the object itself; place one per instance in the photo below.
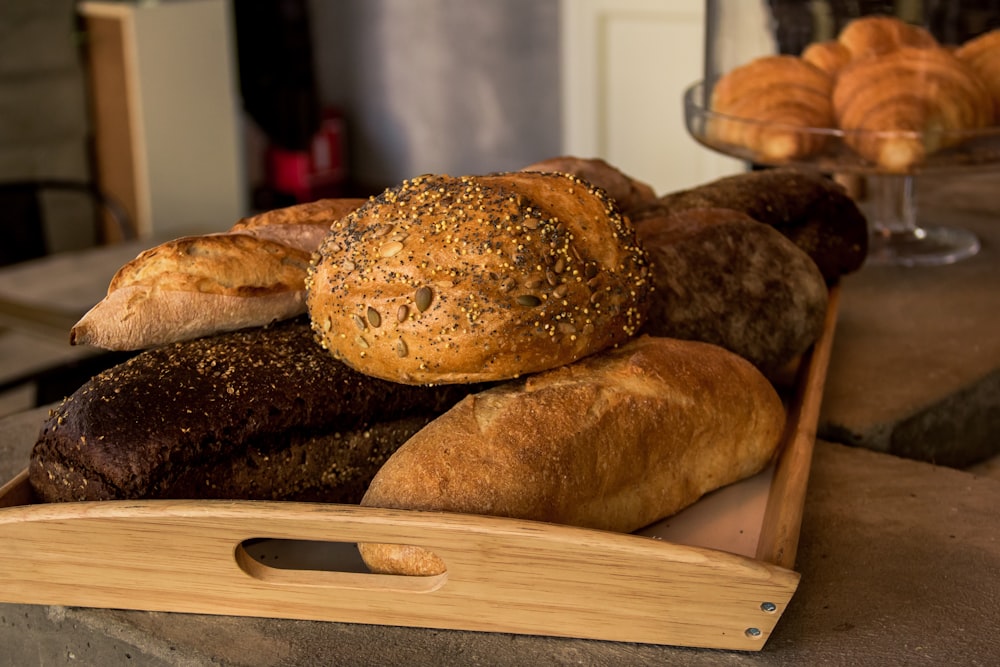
(915, 368)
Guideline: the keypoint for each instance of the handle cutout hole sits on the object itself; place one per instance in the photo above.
(321, 563)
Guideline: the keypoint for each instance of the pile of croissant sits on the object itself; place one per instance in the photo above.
(896, 94)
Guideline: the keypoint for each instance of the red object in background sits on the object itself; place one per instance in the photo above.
(321, 171)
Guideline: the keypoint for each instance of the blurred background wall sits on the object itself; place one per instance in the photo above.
(441, 85)
(44, 131)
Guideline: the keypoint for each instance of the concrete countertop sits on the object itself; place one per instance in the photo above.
(915, 368)
(900, 558)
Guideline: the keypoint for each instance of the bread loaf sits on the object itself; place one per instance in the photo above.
(262, 413)
(477, 278)
(630, 194)
(770, 106)
(813, 211)
(722, 277)
(199, 285)
(195, 286)
(302, 226)
(616, 441)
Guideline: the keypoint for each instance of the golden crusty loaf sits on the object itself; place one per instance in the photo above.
(616, 441)
(452, 280)
(899, 107)
(193, 286)
(769, 105)
(630, 194)
(982, 53)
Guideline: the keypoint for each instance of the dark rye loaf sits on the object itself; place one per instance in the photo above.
(814, 212)
(721, 277)
(262, 413)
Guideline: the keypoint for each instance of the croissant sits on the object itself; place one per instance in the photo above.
(876, 35)
(768, 106)
(901, 106)
(982, 54)
(830, 56)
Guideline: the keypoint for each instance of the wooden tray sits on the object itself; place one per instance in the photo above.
(718, 575)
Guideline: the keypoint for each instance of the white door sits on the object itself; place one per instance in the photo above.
(625, 65)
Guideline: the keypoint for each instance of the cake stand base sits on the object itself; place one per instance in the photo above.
(921, 246)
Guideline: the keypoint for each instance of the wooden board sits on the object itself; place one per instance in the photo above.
(504, 575)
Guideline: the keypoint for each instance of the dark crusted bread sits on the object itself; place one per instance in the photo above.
(722, 277)
(479, 278)
(261, 413)
(629, 193)
(813, 211)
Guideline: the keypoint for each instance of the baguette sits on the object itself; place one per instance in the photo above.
(615, 442)
(194, 286)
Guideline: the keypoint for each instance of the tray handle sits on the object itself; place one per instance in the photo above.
(504, 575)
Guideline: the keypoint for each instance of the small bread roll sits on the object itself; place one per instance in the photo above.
(479, 278)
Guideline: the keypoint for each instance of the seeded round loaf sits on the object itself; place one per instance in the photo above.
(466, 279)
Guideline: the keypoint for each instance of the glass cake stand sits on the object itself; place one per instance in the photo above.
(736, 32)
(898, 236)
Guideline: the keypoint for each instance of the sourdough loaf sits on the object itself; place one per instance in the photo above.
(722, 277)
(477, 278)
(616, 441)
(194, 286)
(261, 413)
